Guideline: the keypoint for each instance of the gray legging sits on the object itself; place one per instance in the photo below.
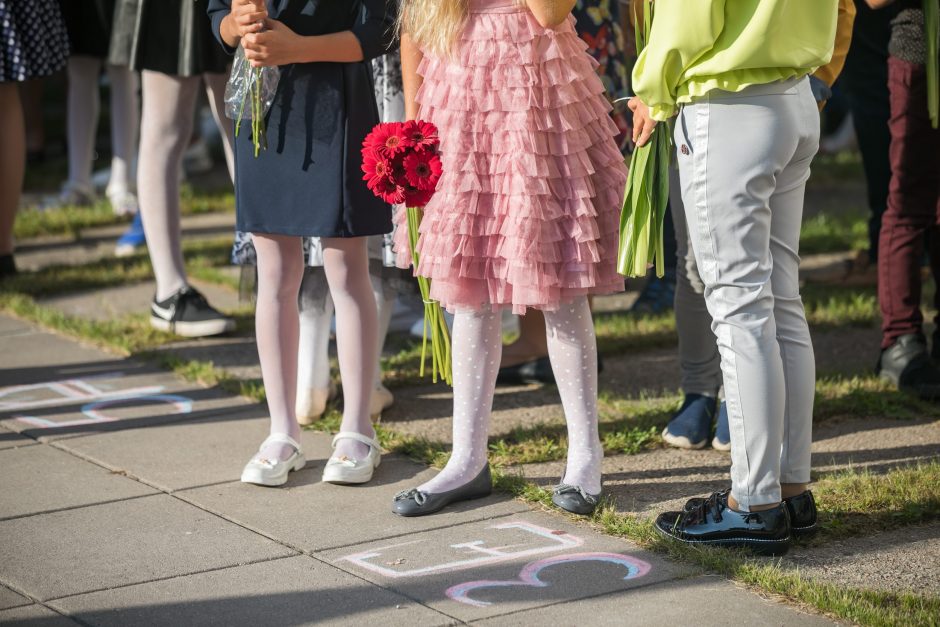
(744, 159)
(699, 362)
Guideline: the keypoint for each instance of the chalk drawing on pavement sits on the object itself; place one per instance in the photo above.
(529, 575)
(481, 555)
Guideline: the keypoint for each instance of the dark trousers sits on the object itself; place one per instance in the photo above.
(865, 83)
(912, 219)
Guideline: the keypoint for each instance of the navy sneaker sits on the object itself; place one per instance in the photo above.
(132, 239)
(658, 295)
(722, 439)
(690, 427)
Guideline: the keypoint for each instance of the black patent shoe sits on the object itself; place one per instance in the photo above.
(574, 499)
(714, 523)
(802, 510)
(532, 371)
(414, 502)
(907, 365)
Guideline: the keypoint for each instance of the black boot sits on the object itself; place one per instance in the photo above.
(7, 266)
(907, 365)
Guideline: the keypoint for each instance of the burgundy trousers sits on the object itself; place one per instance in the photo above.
(912, 218)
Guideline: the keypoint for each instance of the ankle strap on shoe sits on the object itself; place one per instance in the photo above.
(281, 438)
(352, 435)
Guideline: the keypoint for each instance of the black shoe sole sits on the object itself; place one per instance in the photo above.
(768, 548)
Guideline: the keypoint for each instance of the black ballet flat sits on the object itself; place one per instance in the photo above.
(712, 522)
(802, 510)
(574, 499)
(414, 502)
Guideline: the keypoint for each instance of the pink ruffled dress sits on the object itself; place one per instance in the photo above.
(527, 211)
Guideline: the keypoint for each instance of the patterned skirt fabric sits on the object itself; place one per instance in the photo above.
(33, 40)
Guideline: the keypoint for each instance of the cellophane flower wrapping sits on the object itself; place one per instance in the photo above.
(249, 94)
(647, 193)
(401, 163)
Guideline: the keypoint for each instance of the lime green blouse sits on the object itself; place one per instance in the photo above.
(696, 46)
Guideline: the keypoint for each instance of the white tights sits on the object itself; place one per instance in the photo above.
(477, 348)
(166, 127)
(280, 272)
(83, 107)
(313, 361)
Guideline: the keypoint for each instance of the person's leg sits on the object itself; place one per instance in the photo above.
(82, 126)
(277, 327)
(313, 357)
(911, 213)
(346, 261)
(793, 336)
(531, 341)
(125, 120)
(166, 124)
(385, 305)
(12, 169)
(215, 91)
(699, 361)
(477, 345)
(727, 188)
(573, 351)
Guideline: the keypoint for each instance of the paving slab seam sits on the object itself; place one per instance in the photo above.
(76, 507)
(159, 579)
(35, 601)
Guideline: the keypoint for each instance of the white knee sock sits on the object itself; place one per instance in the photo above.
(385, 306)
(83, 107)
(316, 313)
(125, 119)
(572, 348)
(166, 126)
(477, 348)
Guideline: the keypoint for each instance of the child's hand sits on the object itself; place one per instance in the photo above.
(276, 45)
(643, 124)
(247, 16)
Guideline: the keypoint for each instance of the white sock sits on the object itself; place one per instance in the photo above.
(477, 348)
(125, 119)
(316, 313)
(572, 348)
(83, 108)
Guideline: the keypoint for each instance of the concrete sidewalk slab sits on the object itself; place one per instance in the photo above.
(123, 300)
(108, 400)
(481, 569)
(191, 453)
(704, 601)
(25, 352)
(9, 599)
(316, 516)
(11, 439)
(34, 616)
(292, 591)
(12, 326)
(43, 479)
(127, 542)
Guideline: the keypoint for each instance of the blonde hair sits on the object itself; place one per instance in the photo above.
(434, 25)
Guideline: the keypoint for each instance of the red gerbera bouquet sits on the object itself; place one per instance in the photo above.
(402, 165)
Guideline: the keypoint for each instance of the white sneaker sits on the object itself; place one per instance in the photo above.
(382, 399)
(311, 403)
(344, 470)
(273, 472)
(123, 202)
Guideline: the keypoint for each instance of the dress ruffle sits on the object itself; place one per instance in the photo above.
(527, 211)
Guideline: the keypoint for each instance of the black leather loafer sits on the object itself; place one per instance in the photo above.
(574, 499)
(713, 522)
(414, 502)
(802, 510)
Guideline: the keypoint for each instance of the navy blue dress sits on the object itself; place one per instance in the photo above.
(308, 182)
